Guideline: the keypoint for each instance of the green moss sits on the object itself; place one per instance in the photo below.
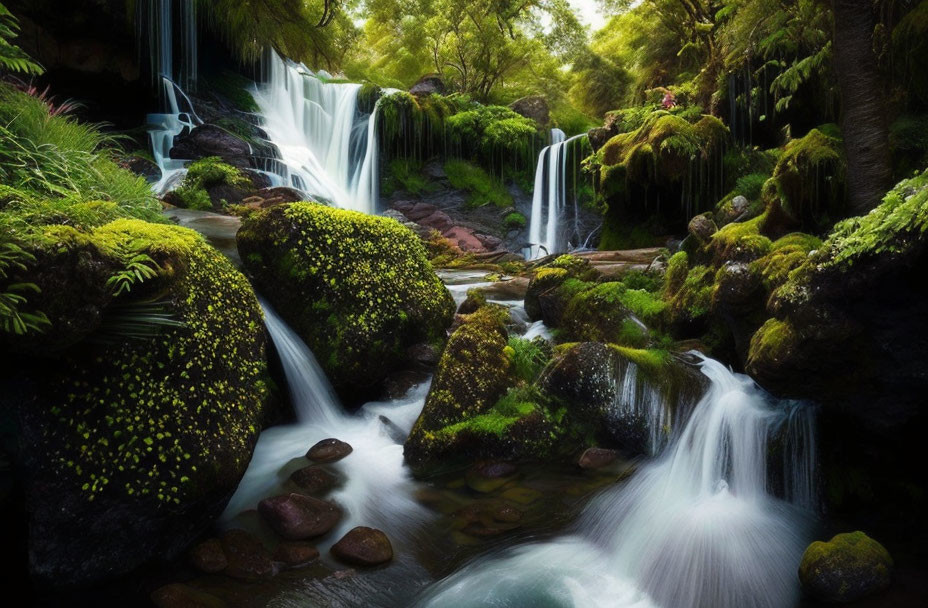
(528, 357)
(810, 177)
(693, 300)
(203, 174)
(236, 88)
(405, 174)
(514, 221)
(773, 342)
(845, 568)
(740, 241)
(144, 416)
(483, 189)
(373, 272)
(786, 255)
(649, 359)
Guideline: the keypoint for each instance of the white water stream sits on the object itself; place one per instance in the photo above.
(694, 529)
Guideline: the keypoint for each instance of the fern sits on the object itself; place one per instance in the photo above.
(12, 296)
(137, 267)
(13, 58)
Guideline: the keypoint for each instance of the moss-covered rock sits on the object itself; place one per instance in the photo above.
(140, 429)
(621, 397)
(611, 312)
(473, 373)
(211, 185)
(846, 568)
(552, 286)
(358, 289)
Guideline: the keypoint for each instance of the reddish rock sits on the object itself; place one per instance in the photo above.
(178, 595)
(420, 211)
(439, 220)
(595, 458)
(248, 559)
(404, 207)
(363, 546)
(464, 238)
(295, 553)
(492, 243)
(313, 479)
(329, 450)
(209, 557)
(296, 517)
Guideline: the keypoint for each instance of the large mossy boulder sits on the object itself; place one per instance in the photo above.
(846, 568)
(358, 289)
(552, 286)
(141, 405)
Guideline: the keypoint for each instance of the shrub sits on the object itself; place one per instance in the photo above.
(514, 221)
(483, 188)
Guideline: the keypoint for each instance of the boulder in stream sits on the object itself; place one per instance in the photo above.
(363, 546)
(329, 450)
(313, 480)
(297, 517)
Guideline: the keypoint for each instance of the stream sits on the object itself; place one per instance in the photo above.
(695, 526)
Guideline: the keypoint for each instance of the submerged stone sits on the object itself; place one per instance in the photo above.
(248, 558)
(209, 556)
(297, 517)
(295, 553)
(313, 479)
(596, 458)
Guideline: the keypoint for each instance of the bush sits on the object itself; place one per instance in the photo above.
(515, 221)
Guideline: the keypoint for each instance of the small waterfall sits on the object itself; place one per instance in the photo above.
(549, 198)
(695, 528)
(156, 19)
(641, 405)
(313, 398)
(327, 146)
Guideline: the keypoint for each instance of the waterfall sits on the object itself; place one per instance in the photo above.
(697, 527)
(312, 396)
(642, 405)
(155, 20)
(327, 146)
(549, 197)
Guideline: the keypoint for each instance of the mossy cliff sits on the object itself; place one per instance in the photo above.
(358, 289)
(147, 398)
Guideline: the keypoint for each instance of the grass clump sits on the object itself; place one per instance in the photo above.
(515, 221)
(405, 174)
(483, 188)
(528, 357)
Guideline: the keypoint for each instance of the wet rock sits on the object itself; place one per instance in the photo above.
(427, 85)
(269, 197)
(328, 450)
(211, 140)
(404, 207)
(179, 595)
(507, 513)
(396, 215)
(534, 107)
(846, 568)
(482, 530)
(295, 553)
(392, 430)
(313, 479)
(248, 559)
(702, 227)
(739, 205)
(363, 546)
(423, 354)
(297, 517)
(492, 243)
(598, 137)
(596, 458)
(209, 557)
(486, 477)
(397, 385)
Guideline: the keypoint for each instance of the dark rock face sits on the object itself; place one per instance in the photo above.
(314, 480)
(210, 140)
(428, 84)
(209, 557)
(297, 517)
(294, 553)
(363, 547)
(846, 568)
(534, 107)
(248, 558)
(329, 450)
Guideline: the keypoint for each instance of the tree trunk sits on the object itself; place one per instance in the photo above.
(863, 110)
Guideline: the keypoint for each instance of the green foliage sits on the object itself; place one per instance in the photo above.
(236, 88)
(810, 177)
(13, 58)
(204, 174)
(750, 186)
(13, 320)
(483, 188)
(514, 221)
(405, 174)
(527, 357)
(135, 266)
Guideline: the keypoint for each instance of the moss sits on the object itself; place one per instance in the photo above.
(849, 566)
(514, 221)
(810, 178)
(202, 175)
(380, 292)
(693, 300)
(482, 188)
(235, 88)
(740, 241)
(172, 416)
(677, 271)
(786, 255)
(650, 360)
(528, 357)
(405, 174)
(773, 342)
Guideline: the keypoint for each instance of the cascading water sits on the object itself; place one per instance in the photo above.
(696, 528)
(549, 198)
(326, 145)
(156, 18)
